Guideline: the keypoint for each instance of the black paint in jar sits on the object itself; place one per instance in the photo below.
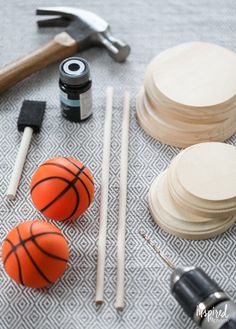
(75, 89)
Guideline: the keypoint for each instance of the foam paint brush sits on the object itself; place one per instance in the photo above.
(29, 122)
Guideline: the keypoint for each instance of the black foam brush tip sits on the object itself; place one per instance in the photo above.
(31, 115)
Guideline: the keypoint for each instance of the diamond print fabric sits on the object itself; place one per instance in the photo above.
(149, 27)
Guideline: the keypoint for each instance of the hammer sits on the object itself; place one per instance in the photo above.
(84, 29)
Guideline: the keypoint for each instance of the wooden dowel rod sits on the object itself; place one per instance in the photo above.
(122, 205)
(104, 198)
(19, 164)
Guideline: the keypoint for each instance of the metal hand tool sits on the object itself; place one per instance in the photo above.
(200, 297)
(84, 29)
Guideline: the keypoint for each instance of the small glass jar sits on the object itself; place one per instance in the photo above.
(75, 89)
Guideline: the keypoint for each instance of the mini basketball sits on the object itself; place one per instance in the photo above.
(62, 188)
(35, 254)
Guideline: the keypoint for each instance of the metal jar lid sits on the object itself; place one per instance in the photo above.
(74, 71)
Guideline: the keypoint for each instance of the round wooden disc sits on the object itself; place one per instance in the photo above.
(196, 74)
(214, 113)
(175, 134)
(155, 130)
(189, 95)
(192, 204)
(185, 128)
(181, 114)
(175, 221)
(207, 171)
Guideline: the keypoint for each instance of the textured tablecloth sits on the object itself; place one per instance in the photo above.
(149, 26)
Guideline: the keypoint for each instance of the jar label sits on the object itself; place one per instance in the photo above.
(67, 101)
(86, 104)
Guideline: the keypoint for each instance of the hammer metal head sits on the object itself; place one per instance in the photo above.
(87, 28)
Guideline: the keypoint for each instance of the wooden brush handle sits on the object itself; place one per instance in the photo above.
(60, 47)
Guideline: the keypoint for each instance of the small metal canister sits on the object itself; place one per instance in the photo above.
(75, 89)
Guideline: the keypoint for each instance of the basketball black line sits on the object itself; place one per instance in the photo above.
(42, 250)
(76, 205)
(17, 260)
(74, 164)
(60, 166)
(32, 260)
(86, 189)
(64, 167)
(65, 180)
(72, 173)
(24, 241)
(46, 179)
(68, 182)
(70, 185)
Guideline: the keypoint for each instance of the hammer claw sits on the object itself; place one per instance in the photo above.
(54, 22)
(68, 12)
(50, 11)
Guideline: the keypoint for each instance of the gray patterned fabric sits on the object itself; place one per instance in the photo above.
(150, 27)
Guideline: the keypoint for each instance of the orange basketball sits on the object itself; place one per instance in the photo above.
(62, 188)
(35, 254)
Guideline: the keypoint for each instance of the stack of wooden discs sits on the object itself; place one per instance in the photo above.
(189, 95)
(195, 198)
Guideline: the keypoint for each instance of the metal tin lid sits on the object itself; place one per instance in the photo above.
(74, 71)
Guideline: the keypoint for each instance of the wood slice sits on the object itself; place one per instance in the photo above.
(195, 205)
(201, 116)
(194, 111)
(207, 171)
(171, 134)
(214, 129)
(189, 95)
(174, 221)
(153, 130)
(196, 74)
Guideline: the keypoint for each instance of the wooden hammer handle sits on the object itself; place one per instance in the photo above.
(60, 47)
